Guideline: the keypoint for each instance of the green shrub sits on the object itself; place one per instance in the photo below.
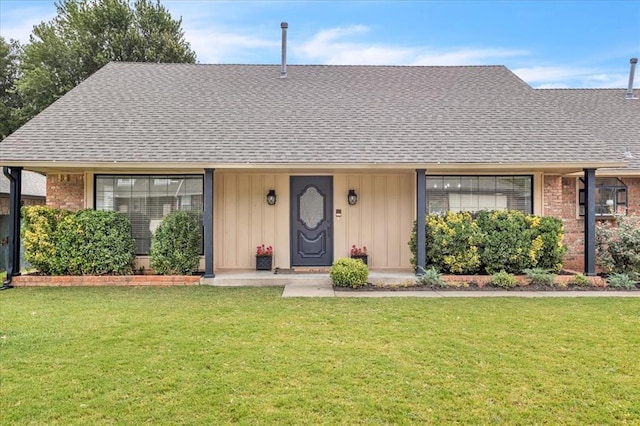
(39, 226)
(503, 279)
(87, 242)
(581, 281)
(430, 277)
(452, 242)
(618, 245)
(494, 241)
(346, 272)
(551, 231)
(175, 246)
(94, 242)
(508, 243)
(539, 276)
(624, 281)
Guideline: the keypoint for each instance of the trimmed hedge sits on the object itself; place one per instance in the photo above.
(39, 236)
(346, 272)
(175, 245)
(493, 241)
(87, 242)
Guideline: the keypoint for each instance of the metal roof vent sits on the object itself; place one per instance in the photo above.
(283, 67)
(633, 62)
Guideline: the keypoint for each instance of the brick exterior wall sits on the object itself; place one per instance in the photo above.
(633, 190)
(560, 200)
(65, 191)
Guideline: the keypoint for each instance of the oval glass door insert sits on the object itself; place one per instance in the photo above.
(311, 207)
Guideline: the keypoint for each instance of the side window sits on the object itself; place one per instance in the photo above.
(611, 197)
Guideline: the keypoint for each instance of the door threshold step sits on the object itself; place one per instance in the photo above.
(302, 270)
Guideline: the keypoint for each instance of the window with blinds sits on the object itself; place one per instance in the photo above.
(146, 200)
(475, 193)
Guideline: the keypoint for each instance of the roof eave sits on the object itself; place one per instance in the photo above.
(78, 167)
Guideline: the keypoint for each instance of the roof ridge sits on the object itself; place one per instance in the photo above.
(580, 88)
(304, 65)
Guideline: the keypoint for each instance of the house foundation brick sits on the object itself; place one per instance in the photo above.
(65, 191)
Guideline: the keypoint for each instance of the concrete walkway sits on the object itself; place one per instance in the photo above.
(319, 285)
(324, 289)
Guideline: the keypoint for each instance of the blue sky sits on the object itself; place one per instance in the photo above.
(547, 43)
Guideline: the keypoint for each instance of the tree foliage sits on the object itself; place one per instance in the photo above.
(87, 34)
(9, 72)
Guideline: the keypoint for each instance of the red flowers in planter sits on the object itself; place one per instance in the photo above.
(261, 250)
(357, 251)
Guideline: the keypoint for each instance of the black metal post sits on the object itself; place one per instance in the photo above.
(590, 222)
(421, 212)
(14, 174)
(208, 223)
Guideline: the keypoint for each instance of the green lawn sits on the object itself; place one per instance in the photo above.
(203, 355)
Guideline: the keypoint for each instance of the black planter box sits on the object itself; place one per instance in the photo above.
(263, 263)
(363, 257)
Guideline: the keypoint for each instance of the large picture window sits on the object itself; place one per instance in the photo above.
(145, 200)
(475, 193)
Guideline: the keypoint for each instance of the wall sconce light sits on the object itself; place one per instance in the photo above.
(352, 198)
(271, 197)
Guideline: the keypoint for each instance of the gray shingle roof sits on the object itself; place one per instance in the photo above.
(239, 114)
(33, 184)
(606, 114)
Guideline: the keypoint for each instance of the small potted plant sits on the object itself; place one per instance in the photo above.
(264, 256)
(359, 253)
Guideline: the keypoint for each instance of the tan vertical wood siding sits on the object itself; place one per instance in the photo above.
(381, 221)
(243, 219)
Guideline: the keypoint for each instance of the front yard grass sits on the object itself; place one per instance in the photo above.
(204, 355)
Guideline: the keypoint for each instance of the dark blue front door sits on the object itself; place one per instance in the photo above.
(311, 220)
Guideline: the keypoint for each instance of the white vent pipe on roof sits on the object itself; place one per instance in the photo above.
(283, 67)
(633, 62)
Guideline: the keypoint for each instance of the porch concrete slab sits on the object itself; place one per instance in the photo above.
(264, 279)
(269, 279)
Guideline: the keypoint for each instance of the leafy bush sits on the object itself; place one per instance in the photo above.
(430, 277)
(94, 242)
(175, 246)
(452, 243)
(494, 241)
(506, 245)
(551, 231)
(624, 281)
(581, 281)
(618, 245)
(503, 279)
(39, 226)
(346, 272)
(539, 276)
(87, 242)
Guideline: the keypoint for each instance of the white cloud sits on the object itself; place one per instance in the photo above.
(18, 23)
(333, 46)
(546, 77)
(220, 46)
(468, 56)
